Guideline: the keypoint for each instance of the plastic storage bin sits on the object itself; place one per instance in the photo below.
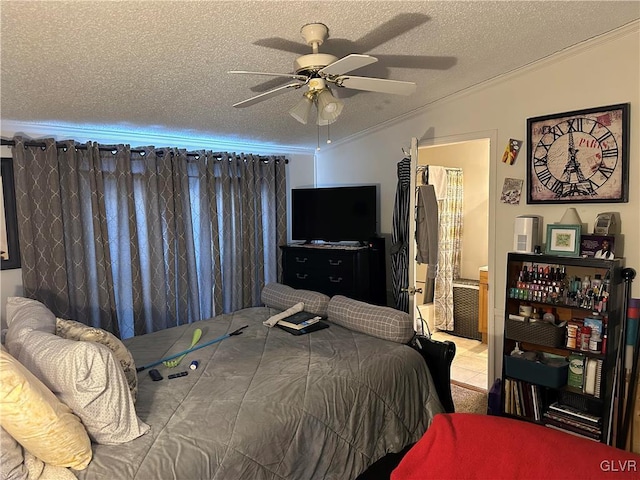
(554, 376)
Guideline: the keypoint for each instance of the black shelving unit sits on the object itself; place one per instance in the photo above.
(538, 390)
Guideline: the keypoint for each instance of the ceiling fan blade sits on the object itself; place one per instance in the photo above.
(289, 75)
(427, 62)
(348, 64)
(376, 85)
(268, 94)
(283, 44)
(389, 30)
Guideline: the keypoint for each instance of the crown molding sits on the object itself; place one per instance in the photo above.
(135, 136)
(628, 29)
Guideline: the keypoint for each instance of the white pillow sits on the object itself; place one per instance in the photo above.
(83, 375)
(73, 330)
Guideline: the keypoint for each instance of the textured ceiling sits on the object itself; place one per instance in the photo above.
(158, 66)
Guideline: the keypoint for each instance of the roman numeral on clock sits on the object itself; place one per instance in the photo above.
(540, 161)
(606, 171)
(544, 176)
(611, 152)
(556, 186)
(604, 137)
(557, 132)
(575, 125)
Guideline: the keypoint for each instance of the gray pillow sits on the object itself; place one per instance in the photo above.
(381, 322)
(283, 297)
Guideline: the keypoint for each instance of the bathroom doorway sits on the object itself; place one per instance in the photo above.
(463, 321)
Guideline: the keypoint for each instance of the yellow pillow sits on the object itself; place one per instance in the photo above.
(41, 423)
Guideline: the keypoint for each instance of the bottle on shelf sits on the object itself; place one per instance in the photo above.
(585, 338)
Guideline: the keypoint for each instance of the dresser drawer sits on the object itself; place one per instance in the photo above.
(329, 283)
(330, 261)
(332, 271)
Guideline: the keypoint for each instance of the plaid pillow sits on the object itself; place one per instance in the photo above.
(381, 322)
(282, 297)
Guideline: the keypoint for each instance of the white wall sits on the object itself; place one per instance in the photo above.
(604, 71)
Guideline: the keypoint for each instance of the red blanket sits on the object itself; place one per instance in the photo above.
(467, 446)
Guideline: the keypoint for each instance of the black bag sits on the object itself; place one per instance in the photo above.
(438, 356)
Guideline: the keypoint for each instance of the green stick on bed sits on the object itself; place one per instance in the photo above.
(211, 342)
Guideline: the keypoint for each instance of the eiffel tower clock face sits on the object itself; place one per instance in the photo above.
(579, 157)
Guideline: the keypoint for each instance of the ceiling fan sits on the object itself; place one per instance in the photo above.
(318, 72)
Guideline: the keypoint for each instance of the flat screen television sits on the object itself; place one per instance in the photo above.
(334, 214)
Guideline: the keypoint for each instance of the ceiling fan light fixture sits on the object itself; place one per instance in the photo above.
(322, 123)
(302, 109)
(329, 107)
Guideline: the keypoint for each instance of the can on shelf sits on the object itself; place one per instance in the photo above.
(585, 338)
(572, 333)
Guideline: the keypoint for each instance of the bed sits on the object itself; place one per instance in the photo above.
(267, 404)
(453, 447)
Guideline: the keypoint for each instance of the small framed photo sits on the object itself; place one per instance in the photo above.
(599, 246)
(563, 240)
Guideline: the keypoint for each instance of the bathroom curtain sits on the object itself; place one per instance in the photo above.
(400, 238)
(139, 240)
(450, 234)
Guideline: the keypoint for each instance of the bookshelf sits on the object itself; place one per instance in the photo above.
(560, 372)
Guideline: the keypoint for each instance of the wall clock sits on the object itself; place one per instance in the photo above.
(579, 157)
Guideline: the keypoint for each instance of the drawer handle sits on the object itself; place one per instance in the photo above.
(335, 262)
(301, 276)
(335, 279)
(301, 259)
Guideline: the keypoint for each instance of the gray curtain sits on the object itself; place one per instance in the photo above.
(135, 241)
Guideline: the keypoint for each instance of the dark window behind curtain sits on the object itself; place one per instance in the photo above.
(138, 241)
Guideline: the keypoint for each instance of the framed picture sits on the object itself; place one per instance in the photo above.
(606, 247)
(563, 240)
(9, 246)
(579, 157)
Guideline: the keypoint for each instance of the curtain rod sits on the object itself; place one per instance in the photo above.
(11, 143)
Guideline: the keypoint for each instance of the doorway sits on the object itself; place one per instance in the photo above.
(472, 157)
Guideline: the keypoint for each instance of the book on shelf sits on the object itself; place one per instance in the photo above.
(516, 392)
(563, 420)
(523, 399)
(577, 434)
(299, 320)
(573, 412)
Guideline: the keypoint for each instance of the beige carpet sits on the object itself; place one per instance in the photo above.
(468, 400)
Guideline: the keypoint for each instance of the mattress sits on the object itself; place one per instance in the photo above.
(270, 405)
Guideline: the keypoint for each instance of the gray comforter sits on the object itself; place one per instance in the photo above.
(270, 405)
